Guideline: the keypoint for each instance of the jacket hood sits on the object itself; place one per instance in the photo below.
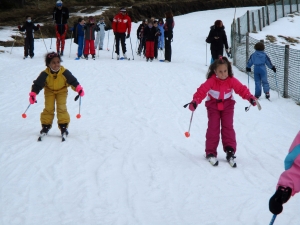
(221, 28)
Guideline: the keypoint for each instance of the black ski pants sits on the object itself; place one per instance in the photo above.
(29, 46)
(216, 53)
(120, 37)
(168, 48)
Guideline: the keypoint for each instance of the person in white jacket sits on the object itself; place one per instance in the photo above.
(100, 34)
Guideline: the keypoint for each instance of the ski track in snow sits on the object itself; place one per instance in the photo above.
(127, 161)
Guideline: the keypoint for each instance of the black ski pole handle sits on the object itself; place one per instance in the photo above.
(76, 98)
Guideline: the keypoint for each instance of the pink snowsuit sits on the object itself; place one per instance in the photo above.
(220, 108)
(291, 176)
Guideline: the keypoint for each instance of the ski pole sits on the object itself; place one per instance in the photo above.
(276, 85)
(107, 41)
(76, 98)
(24, 114)
(248, 79)
(71, 44)
(13, 44)
(206, 55)
(43, 40)
(112, 54)
(187, 134)
(51, 43)
(273, 219)
(131, 49)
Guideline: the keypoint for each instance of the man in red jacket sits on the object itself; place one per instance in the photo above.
(121, 23)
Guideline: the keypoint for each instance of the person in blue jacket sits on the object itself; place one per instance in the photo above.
(78, 32)
(260, 59)
(161, 38)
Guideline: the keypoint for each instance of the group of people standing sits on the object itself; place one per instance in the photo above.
(154, 35)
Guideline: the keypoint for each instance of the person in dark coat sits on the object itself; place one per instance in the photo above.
(168, 33)
(60, 17)
(149, 35)
(29, 29)
(217, 39)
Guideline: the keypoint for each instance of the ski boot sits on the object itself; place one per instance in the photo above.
(124, 55)
(118, 56)
(212, 159)
(44, 131)
(268, 95)
(64, 131)
(230, 156)
(93, 57)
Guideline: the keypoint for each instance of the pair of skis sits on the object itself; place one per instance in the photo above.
(63, 136)
(214, 162)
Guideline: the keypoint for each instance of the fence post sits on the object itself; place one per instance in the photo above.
(259, 20)
(253, 23)
(282, 3)
(268, 16)
(297, 5)
(239, 28)
(248, 21)
(275, 7)
(291, 10)
(286, 71)
(263, 16)
(247, 48)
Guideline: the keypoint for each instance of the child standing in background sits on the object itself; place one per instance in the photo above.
(78, 31)
(100, 34)
(260, 59)
(29, 29)
(157, 36)
(219, 88)
(161, 39)
(89, 38)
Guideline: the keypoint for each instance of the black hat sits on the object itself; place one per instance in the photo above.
(122, 9)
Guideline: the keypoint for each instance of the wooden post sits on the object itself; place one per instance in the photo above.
(263, 16)
(268, 16)
(239, 29)
(275, 10)
(286, 71)
(248, 21)
(297, 5)
(282, 2)
(253, 23)
(247, 48)
(291, 10)
(259, 19)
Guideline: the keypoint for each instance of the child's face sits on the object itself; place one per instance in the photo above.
(55, 64)
(82, 22)
(155, 24)
(222, 71)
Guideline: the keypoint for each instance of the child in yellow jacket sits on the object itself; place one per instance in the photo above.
(55, 80)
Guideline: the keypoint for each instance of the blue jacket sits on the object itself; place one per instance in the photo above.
(259, 59)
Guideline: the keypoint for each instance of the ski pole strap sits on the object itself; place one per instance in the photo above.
(273, 219)
(76, 98)
(186, 105)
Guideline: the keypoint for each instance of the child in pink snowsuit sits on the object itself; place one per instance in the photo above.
(289, 181)
(219, 88)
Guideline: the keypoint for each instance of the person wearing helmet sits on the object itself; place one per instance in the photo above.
(60, 18)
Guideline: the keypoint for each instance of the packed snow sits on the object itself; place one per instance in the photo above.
(126, 160)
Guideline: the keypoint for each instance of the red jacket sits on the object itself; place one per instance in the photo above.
(217, 89)
(121, 23)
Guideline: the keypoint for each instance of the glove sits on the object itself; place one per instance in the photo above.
(248, 69)
(274, 69)
(281, 196)
(252, 100)
(32, 98)
(19, 27)
(80, 91)
(193, 105)
(128, 35)
(38, 26)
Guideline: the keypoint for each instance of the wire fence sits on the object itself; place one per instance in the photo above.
(286, 80)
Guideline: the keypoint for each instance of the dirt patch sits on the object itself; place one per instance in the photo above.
(271, 38)
(289, 39)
